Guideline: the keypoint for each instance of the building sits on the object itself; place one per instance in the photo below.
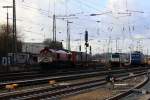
(32, 47)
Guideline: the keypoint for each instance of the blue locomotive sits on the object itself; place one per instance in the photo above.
(137, 58)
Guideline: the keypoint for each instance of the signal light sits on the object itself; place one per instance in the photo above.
(86, 44)
(86, 36)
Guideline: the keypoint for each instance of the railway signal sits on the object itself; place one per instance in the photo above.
(86, 36)
(86, 42)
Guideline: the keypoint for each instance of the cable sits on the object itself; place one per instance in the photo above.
(41, 13)
(87, 5)
(29, 31)
(38, 9)
(49, 7)
(7, 1)
(28, 21)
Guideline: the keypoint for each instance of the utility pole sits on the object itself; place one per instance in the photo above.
(116, 45)
(109, 42)
(108, 52)
(14, 26)
(147, 57)
(68, 28)
(86, 42)
(68, 35)
(54, 25)
(80, 46)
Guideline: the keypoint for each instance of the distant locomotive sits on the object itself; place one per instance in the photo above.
(115, 59)
(137, 58)
(46, 56)
(119, 59)
(50, 58)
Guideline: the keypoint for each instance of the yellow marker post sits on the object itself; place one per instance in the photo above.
(52, 82)
(11, 86)
(14, 86)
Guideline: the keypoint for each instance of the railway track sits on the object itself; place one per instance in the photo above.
(43, 80)
(140, 93)
(49, 92)
(128, 94)
(36, 74)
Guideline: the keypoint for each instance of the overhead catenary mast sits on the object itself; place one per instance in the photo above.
(14, 27)
(68, 35)
(54, 28)
(14, 47)
(54, 25)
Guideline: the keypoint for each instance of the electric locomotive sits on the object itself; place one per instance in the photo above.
(136, 58)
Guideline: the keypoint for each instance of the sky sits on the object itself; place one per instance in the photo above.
(123, 24)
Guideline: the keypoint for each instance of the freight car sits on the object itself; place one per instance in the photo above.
(80, 58)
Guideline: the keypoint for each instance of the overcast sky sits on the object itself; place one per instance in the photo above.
(125, 20)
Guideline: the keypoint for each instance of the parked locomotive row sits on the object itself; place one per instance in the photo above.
(48, 59)
(53, 58)
(135, 58)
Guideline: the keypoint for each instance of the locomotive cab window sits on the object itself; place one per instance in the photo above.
(115, 56)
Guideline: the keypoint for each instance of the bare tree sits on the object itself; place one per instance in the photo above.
(53, 45)
(6, 40)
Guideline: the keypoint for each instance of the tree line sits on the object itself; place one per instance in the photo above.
(7, 40)
(53, 45)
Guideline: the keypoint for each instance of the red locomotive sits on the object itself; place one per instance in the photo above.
(50, 58)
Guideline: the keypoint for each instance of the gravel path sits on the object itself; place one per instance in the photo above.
(104, 92)
(139, 96)
(145, 97)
